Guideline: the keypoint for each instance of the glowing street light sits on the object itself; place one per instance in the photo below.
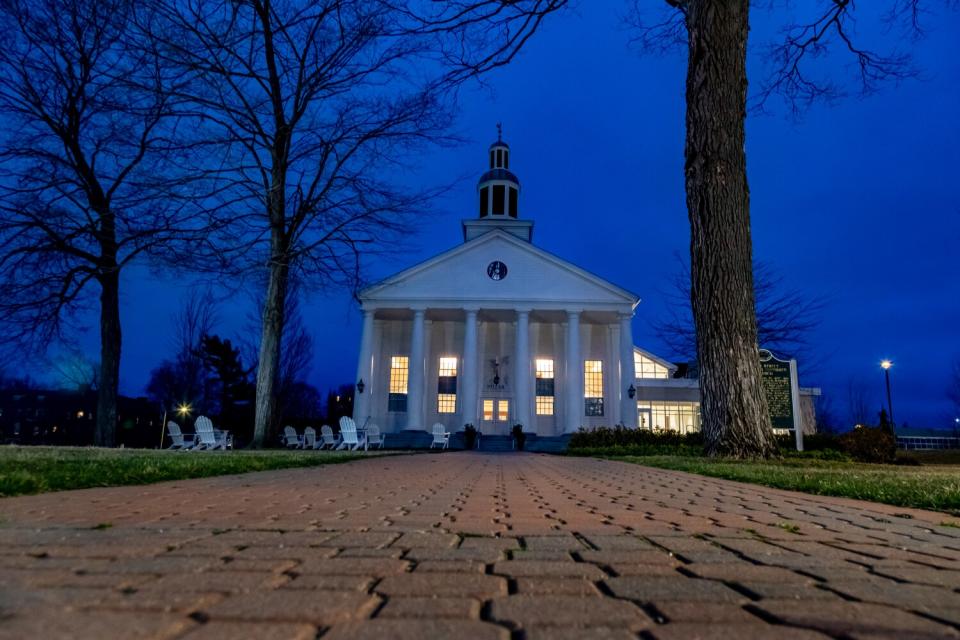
(885, 365)
(184, 409)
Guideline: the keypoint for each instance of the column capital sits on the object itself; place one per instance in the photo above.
(624, 315)
(574, 313)
(418, 311)
(523, 312)
(471, 311)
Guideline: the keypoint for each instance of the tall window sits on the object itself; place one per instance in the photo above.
(447, 385)
(645, 367)
(593, 387)
(399, 374)
(544, 387)
(499, 194)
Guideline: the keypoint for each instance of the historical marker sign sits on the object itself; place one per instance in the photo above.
(776, 384)
(783, 393)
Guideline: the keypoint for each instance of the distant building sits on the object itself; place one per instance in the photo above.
(497, 332)
(63, 417)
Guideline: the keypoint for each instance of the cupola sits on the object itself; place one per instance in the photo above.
(499, 188)
(499, 195)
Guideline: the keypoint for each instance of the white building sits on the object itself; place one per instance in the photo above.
(497, 332)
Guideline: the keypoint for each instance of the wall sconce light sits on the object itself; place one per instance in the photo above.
(360, 385)
(632, 392)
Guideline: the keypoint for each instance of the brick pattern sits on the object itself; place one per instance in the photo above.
(471, 546)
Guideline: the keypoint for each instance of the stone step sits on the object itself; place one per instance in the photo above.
(488, 443)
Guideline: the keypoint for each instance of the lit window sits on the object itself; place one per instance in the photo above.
(645, 367)
(488, 410)
(683, 417)
(503, 410)
(399, 372)
(545, 387)
(446, 403)
(544, 405)
(448, 367)
(447, 385)
(593, 387)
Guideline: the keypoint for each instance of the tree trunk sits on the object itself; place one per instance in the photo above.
(270, 342)
(736, 419)
(110, 340)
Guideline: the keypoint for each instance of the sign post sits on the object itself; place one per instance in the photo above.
(782, 388)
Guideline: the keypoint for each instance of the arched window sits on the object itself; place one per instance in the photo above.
(484, 200)
(513, 202)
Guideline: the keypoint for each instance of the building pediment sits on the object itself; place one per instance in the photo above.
(497, 269)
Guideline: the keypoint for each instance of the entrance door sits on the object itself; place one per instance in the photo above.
(495, 416)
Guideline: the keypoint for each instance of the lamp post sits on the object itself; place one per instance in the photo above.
(885, 365)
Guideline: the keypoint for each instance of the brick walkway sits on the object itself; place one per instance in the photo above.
(472, 546)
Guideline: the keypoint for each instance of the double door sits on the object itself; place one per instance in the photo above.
(495, 416)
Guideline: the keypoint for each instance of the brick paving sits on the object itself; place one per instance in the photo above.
(469, 545)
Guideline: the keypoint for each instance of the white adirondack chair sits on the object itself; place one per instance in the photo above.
(206, 438)
(348, 434)
(441, 436)
(374, 437)
(327, 438)
(177, 439)
(310, 438)
(291, 439)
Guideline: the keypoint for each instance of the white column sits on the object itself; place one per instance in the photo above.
(628, 405)
(468, 389)
(415, 383)
(361, 401)
(522, 370)
(574, 382)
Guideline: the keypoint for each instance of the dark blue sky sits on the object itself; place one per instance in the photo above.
(857, 202)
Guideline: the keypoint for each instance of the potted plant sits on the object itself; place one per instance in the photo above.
(469, 436)
(519, 437)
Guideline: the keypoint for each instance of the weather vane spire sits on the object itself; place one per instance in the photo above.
(499, 132)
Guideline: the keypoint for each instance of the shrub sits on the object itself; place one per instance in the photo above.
(620, 440)
(469, 436)
(519, 437)
(869, 444)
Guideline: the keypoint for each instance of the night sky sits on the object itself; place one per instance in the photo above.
(857, 202)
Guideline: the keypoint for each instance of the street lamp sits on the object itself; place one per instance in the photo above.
(885, 365)
(184, 409)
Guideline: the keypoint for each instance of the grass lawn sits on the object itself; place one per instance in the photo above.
(27, 470)
(932, 485)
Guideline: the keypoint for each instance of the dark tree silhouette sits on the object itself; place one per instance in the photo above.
(85, 154)
(182, 380)
(315, 106)
(785, 316)
(736, 418)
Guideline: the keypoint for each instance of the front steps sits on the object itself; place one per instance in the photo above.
(488, 443)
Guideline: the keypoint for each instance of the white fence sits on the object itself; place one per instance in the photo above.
(927, 443)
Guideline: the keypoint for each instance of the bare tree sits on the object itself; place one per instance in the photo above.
(785, 316)
(74, 370)
(182, 380)
(317, 106)
(858, 401)
(953, 388)
(736, 418)
(84, 157)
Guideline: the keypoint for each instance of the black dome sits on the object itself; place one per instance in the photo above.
(498, 174)
(499, 143)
